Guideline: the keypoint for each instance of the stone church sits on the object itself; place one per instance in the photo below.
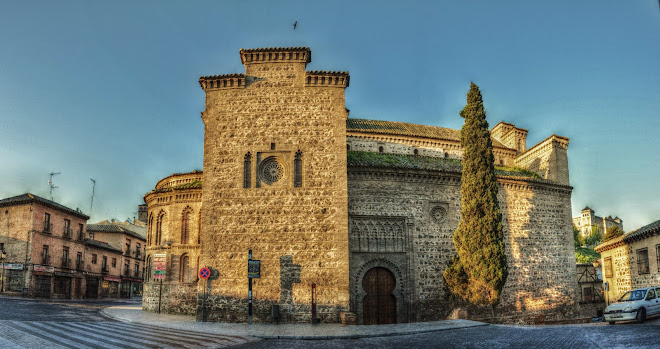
(363, 209)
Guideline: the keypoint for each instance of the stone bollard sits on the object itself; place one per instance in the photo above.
(458, 313)
(347, 318)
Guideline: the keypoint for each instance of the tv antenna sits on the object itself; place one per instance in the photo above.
(92, 202)
(51, 185)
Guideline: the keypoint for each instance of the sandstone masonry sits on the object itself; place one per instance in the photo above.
(363, 209)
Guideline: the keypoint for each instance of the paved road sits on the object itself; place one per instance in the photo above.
(30, 324)
(625, 335)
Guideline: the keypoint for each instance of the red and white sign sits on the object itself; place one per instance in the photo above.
(43, 268)
(160, 266)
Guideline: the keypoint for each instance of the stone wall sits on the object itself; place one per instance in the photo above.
(652, 278)
(274, 112)
(618, 275)
(426, 205)
(176, 298)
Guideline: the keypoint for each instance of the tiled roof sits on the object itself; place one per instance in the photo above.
(610, 244)
(101, 244)
(135, 231)
(643, 232)
(417, 162)
(192, 185)
(406, 129)
(29, 198)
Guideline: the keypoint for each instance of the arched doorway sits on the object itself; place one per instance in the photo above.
(379, 305)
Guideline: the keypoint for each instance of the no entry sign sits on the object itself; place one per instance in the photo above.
(204, 273)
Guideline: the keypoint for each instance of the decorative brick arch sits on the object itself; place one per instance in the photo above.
(358, 292)
(161, 227)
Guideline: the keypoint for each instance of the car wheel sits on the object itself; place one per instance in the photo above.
(641, 315)
(611, 322)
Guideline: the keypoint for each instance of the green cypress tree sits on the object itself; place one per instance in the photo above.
(478, 272)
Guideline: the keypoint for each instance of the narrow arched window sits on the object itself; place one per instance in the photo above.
(183, 268)
(297, 170)
(159, 227)
(199, 227)
(150, 230)
(247, 168)
(148, 271)
(185, 226)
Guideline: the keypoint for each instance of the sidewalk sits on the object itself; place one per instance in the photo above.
(282, 331)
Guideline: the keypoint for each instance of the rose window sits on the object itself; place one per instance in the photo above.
(439, 213)
(271, 170)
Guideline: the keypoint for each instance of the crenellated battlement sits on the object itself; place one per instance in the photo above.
(222, 81)
(276, 54)
(327, 78)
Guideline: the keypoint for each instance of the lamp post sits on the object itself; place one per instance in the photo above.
(3, 255)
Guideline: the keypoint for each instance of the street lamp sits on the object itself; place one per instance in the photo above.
(3, 255)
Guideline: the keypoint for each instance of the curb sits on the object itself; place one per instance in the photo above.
(392, 332)
(358, 336)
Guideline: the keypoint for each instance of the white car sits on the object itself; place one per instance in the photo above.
(634, 305)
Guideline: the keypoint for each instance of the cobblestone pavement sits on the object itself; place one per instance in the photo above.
(625, 335)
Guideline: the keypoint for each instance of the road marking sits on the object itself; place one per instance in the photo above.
(105, 334)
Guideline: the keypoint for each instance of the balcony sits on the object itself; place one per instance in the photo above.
(128, 252)
(66, 262)
(80, 265)
(45, 259)
(66, 233)
(127, 273)
(137, 275)
(81, 236)
(46, 228)
(138, 255)
(104, 269)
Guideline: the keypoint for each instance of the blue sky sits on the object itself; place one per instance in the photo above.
(108, 90)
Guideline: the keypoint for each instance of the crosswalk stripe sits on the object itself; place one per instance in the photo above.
(103, 330)
(7, 341)
(236, 338)
(62, 331)
(57, 339)
(106, 334)
(104, 338)
(175, 334)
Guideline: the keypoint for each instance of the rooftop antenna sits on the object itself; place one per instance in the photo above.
(91, 204)
(51, 185)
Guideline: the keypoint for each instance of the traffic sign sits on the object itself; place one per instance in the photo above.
(204, 273)
(254, 269)
(160, 266)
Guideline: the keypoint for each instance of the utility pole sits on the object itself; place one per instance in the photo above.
(92, 202)
(51, 185)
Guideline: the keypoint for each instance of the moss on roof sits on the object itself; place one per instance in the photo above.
(406, 129)
(196, 184)
(417, 162)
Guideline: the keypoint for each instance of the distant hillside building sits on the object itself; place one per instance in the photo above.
(587, 219)
(363, 209)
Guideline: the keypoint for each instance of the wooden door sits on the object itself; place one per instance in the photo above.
(379, 305)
